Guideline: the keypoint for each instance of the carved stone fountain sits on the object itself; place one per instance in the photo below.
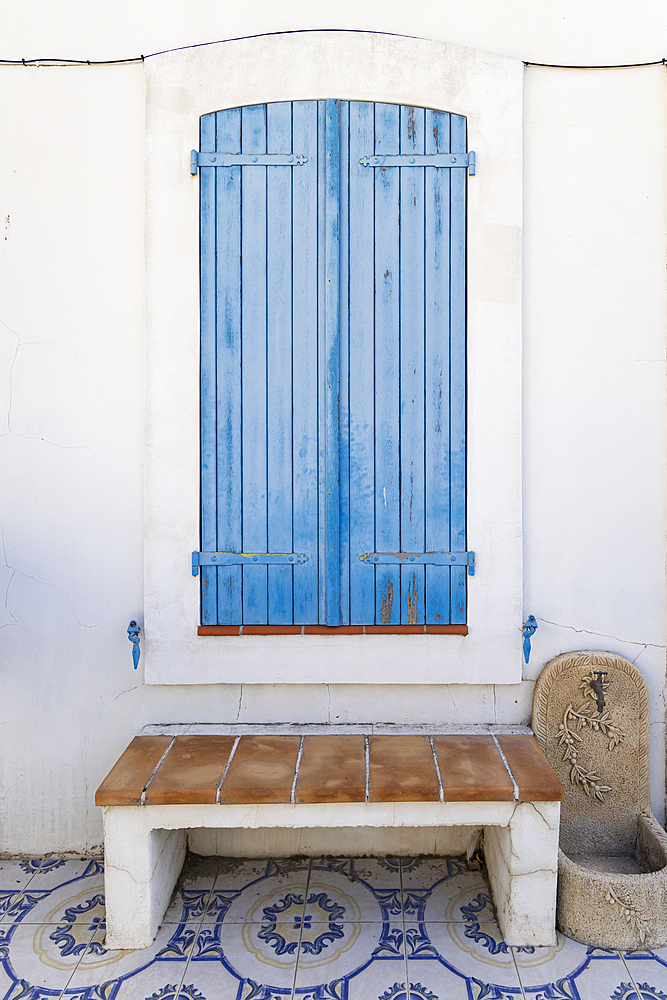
(591, 718)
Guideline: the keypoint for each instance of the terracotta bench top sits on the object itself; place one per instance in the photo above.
(194, 770)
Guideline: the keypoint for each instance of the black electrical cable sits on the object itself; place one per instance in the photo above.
(656, 62)
(52, 60)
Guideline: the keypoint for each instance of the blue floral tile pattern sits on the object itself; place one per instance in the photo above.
(297, 929)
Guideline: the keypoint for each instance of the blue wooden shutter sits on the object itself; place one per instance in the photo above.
(259, 377)
(406, 391)
(333, 365)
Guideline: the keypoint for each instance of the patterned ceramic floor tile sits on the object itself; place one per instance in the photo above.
(649, 972)
(234, 873)
(330, 954)
(76, 901)
(160, 979)
(51, 872)
(547, 965)
(464, 896)
(188, 905)
(351, 898)
(606, 978)
(42, 956)
(276, 898)
(102, 965)
(32, 881)
(249, 952)
(477, 951)
(239, 927)
(432, 979)
(387, 981)
(379, 873)
(212, 980)
(15, 874)
(423, 873)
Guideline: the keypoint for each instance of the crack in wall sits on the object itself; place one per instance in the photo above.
(11, 376)
(604, 635)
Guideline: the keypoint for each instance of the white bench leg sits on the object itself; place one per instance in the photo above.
(141, 868)
(522, 861)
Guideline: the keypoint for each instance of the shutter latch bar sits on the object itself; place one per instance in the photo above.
(421, 559)
(422, 160)
(246, 559)
(214, 159)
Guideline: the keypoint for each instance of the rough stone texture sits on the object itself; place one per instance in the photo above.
(607, 828)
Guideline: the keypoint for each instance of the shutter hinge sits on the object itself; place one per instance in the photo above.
(421, 559)
(214, 159)
(246, 559)
(423, 160)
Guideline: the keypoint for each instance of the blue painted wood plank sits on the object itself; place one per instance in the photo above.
(228, 377)
(412, 453)
(361, 363)
(437, 368)
(279, 361)
(305, 363)
(343, 409)
(253, 312)
(457, 395)
(331, 359)
(208, 414)
(387, 366)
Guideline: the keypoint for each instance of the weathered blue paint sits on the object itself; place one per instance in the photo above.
(331, 373)
(361, 362)
(248, 159)
(333, 364)
(413, 318)
(457, 370)
(282, 559)
(208, 376)
(279, 384)
(133, 631)
(228, 364)
(408, 559)
(415, 159)
(529, 628)
(304, 360)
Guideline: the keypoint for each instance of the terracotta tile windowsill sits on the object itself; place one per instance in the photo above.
(335, 630)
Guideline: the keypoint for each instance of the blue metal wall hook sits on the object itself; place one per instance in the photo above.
(529, 628)
(133, 631)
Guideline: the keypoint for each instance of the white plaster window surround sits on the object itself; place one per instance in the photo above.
(486, 89)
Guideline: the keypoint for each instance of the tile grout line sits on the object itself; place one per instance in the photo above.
(296, 771)
(515, 787)
(303, 917)
(627, 969)
(199, 927)
(155, 771)
(367, 764)
(224, 773)
(19, 896)
(518, 974)
(405, 942)
(76, 967)
(437, 769)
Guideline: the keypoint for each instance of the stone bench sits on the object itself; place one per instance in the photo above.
(164, 786)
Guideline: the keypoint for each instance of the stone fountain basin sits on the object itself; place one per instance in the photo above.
(617, 901)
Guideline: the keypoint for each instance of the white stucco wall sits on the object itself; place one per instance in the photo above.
(72, 382)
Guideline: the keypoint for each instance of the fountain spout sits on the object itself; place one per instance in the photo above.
(598, 687)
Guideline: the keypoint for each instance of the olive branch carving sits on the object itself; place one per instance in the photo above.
(631, 913)
(576, 719)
